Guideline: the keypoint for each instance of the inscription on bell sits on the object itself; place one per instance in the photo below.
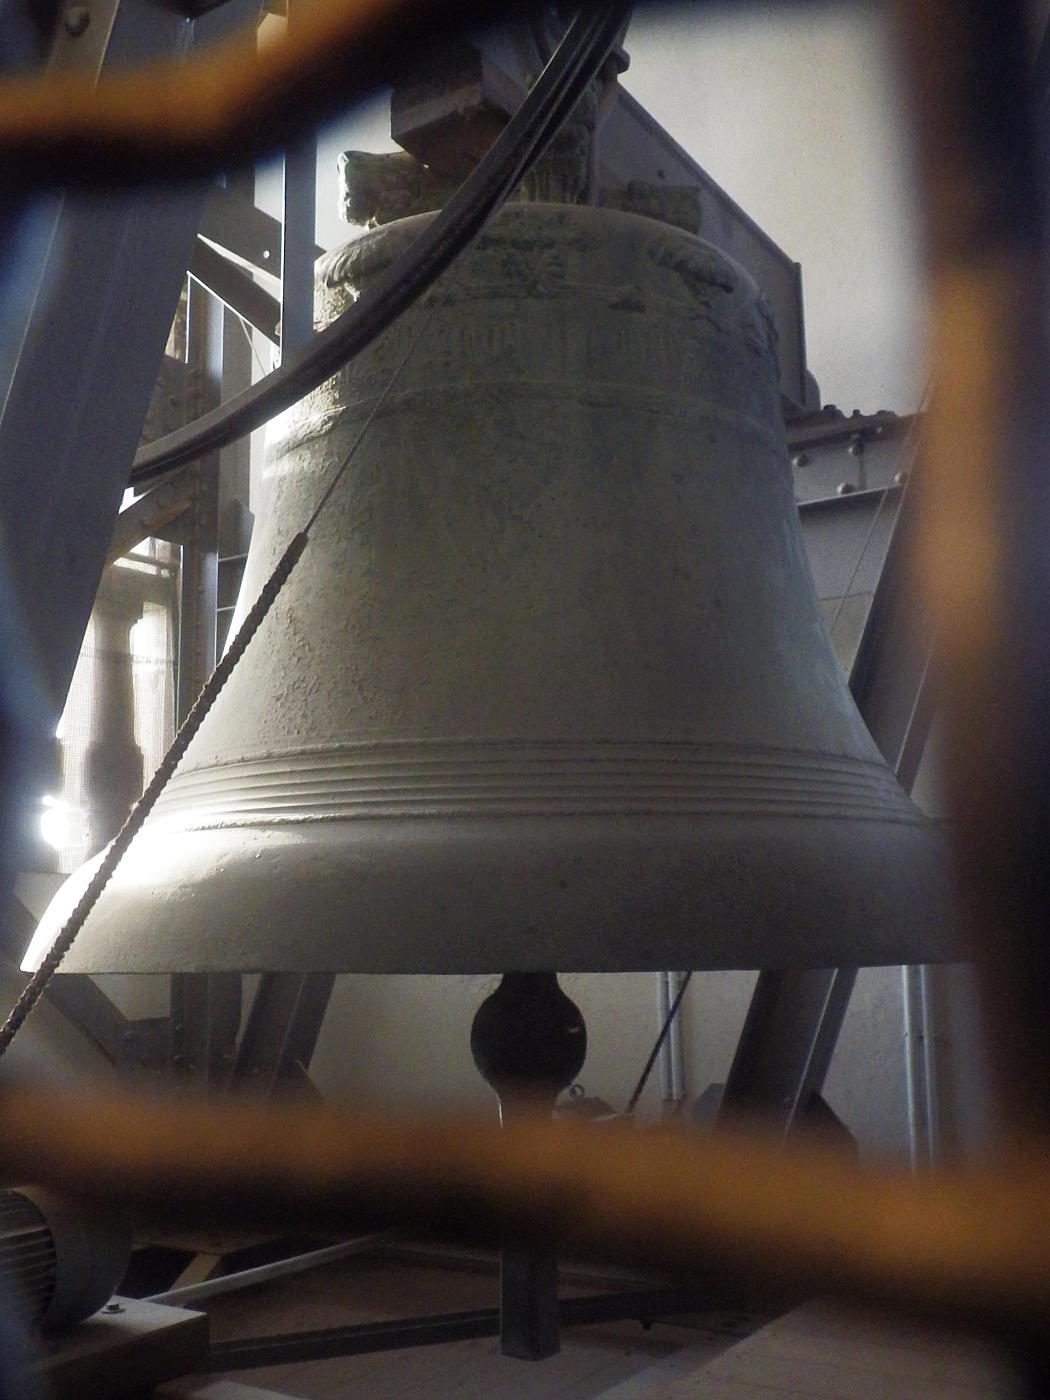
(608, 352)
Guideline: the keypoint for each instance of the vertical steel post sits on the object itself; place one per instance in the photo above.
(297, 241)
(79, 356)
(984, 559)
(288, 1011)
(205, 1007)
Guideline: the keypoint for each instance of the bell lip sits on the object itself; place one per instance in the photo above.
(476, 897)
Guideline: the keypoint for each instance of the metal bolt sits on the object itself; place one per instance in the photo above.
(856, 447)
(113, 1308)
(75, 20)
(845, 488)
(900, 478)
(800, 459)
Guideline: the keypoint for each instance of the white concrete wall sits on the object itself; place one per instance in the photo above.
(797, 113)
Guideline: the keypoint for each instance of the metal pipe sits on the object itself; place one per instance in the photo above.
(931, 1091)
(265, 1273)
(916, 1064)
(663, 1006)
(674, 1040)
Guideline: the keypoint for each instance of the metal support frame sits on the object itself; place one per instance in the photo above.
(190, 1294)
(645, 1307)
(104, 285)
(236, 289)
(288, 1010)
(298, 248)
(245, 233)
(205, 1007)
(281, 1032)
(205, 1018)
(795, 1016)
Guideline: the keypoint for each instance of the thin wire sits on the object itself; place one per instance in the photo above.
(34, 988)
(245, 327)
(387, 389)
(907, 450)
(658, 1046)
(37, 984)
(545, 109)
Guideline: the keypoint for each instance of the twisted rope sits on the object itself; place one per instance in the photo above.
(34, 988)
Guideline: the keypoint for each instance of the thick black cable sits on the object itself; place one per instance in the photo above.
(575, 64)
(584, 42)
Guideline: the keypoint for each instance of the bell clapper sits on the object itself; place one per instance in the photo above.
(529, 1042)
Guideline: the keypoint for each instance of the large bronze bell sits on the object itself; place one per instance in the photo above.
(548, 689)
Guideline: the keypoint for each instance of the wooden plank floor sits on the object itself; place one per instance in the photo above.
(366, 1289)
(818, 1352)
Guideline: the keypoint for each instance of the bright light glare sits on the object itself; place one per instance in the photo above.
(56, 822)
(57, 913)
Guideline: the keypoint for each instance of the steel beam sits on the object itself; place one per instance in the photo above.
(891, 671)
(282, 1029)
(297, 264)
(297, 235)
(235, 462)
(205, 1015)
(198, 532)
(530, 1325)
(243, 232)
(236, 289)
(795, 1017)
(205, 1007)
(251, 1352)
(151, 513)
(785, 1048)
(288, 1010)
(79, 362)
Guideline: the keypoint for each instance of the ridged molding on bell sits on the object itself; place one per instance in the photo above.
(549, 688)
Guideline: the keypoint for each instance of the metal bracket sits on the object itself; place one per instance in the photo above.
(285, 1020)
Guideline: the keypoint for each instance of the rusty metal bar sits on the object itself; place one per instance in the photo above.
(971, 1247)
(984, 503)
